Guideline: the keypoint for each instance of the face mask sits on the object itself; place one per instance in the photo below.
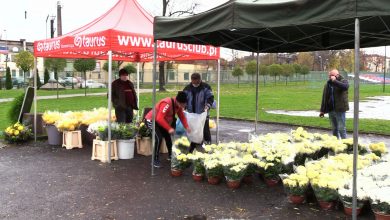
(195, 85)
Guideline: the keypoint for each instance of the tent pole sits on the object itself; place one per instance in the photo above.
(154, 104)
(138, 91)
(109, 104)
(218, 97)
(35, 97)
(257, 88)
(355, 117)
(384, 73)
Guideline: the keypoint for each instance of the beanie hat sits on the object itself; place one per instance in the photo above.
(123, 72)
(181, 97)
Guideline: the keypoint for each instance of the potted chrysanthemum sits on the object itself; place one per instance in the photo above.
(214, 170)
(378, 148)
(380, 202)
(54, 136)
(234, 173)
(199, 170)
(296, 185)
(124, 135)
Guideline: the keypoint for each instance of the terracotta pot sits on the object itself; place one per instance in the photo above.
(197, 177)
(326, 205)
(381, 216)
(176, 172)
(248, 179)
(213, 180)
(348, 210)
(296, 199)
(272, 182)
(233, 184)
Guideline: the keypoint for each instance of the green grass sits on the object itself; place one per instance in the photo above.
(15, 92)
(240, 103)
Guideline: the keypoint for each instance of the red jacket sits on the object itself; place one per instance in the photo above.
(164, 114)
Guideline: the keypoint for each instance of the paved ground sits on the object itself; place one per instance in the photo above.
(48, 182)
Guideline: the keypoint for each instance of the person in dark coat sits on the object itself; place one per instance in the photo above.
(124, 97)
(200, 98)
(335, 102)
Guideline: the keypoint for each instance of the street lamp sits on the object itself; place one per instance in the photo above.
(321, 66)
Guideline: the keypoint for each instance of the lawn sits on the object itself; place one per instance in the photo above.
(4, 94)
(240, 103)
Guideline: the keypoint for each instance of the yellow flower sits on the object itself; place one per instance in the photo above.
(16, 132)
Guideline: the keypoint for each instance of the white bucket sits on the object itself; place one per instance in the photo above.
(126, 149)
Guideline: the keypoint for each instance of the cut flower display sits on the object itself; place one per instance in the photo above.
(17, 133)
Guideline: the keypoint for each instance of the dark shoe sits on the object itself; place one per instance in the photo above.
(157, 164)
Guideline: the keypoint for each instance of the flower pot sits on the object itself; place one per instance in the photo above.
(248, 179)
(54, 137)
(197, 177)
(213, 180)
(348, 210)
(233, 184)
(381, 216)
(296, 199)
(125, 148)
(176, 172)
(326, 205)
(86, 137)
(272, 182)
(144, 146)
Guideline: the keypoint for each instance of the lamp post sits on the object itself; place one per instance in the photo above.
(321, 66)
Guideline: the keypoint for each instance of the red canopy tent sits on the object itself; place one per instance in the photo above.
(126, 30)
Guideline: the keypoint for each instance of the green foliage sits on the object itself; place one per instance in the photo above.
(144, 131)
(215, 172)
(16, 106)
(264, 70)
(325, 194)
(381, 207)
(8, 80)
(124, 131)
(304, 70)
(55, 64)
(275, 70)
(198, 167)
(130, 68)
(84, 65)
(46, 76)
(114, 66)
(24, 60)
(251, 68)
(296, 191)
(237, 71)
(39, 84)
(297, 68)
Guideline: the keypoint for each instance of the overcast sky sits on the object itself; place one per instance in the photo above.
(75, 14)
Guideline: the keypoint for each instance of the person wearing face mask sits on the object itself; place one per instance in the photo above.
(124, 97)
(335, 102)
(200, 98)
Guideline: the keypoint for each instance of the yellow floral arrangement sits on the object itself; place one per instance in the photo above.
(17, 133)
(378, 148)
(50, 117)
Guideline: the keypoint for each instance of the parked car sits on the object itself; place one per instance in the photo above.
(92, 84)
(70, 80)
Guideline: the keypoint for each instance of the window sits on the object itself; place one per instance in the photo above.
(20, 73)
(204, 77)
(186, 76)
(171, 75)
(13, 73)
(28, 74)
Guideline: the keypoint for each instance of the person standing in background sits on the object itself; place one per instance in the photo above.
(200, 98)
(124, 97)
(335, 102)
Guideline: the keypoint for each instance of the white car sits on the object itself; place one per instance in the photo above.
(69, 80)
(92, 84)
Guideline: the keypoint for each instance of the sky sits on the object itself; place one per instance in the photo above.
(76, 13)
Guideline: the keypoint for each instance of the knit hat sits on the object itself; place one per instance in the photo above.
(123, 72)
(181, 97)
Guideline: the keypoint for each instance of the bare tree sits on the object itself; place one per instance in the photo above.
(171, 8)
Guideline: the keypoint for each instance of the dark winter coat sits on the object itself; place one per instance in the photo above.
(198, 97)
(335, 96)
(119, 97)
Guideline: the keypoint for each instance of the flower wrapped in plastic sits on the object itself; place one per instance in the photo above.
(17, 133)
(182, 144)
(144, 131)
(51, 117)
(100, 129)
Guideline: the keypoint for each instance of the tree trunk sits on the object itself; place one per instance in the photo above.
(238, 81)
(161, 76)
(143, 72)
(286, 80)
(85, 82)
(264, 80)
(72, 79)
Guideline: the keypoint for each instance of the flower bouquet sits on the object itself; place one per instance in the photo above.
(51, 117)
(17, 133)
(144, 131)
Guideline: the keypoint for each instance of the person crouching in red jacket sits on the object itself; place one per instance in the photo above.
(165, 118)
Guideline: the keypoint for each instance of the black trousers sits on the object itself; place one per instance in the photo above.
(124, 115)
(160, 134)
(206, 135)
